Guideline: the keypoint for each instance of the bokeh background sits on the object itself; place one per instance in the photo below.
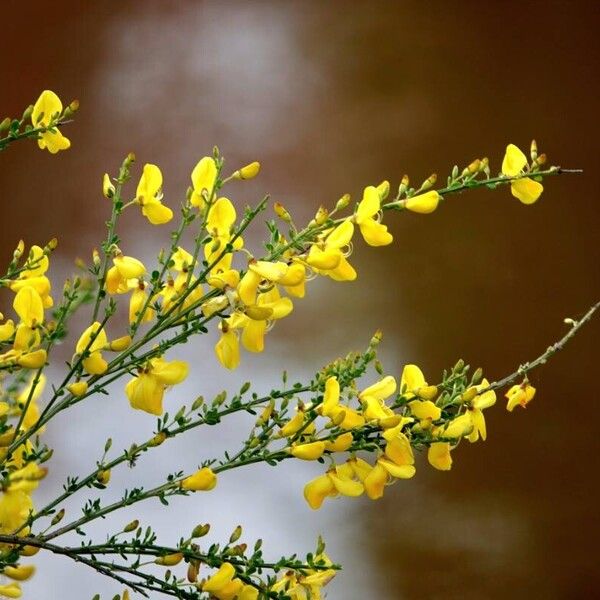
(330, 97)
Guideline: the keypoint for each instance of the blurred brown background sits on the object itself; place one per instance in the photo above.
(331, 97)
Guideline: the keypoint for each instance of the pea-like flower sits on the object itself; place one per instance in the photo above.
(146, 391)
(149, 196)
(524, 189)
(46, 110)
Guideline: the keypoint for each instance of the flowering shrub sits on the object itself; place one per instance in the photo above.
(362, 436)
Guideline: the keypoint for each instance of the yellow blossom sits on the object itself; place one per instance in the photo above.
(45, 111)
(94, 363)
(15, 507)
(326, 256)
(227, 349)
(149, 196)
(309, 451)
(19, 572)
(525, 189)
(146, 391)
(78, 388)
(204, 177)
(10, 590)
(124, 268)
(423, 204)
(248, 172)
(374, 232)
(202, 480)
(439, 457)
(520, 395)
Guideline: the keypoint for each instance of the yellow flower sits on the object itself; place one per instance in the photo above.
(79, 388)
(138, 301)
(204, 177)
(146, 391)
(28, 305)
(46, 109)
(309, 451)
(477, 405)
(227, 349)
(525, 189)
(459, 426)
(15, 507)
(248, 172)
(202, 480)
(413, 384)
(19, 572)
(93, 363)
(439, 457)
(149, 196)
(423, 203)
(374, 232)
(326, 257)
(519, 395)
(397, 462)
(124, 269)
(10, 590)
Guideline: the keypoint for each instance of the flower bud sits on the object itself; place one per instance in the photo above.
(169, 560)
(132, 526)
(248, 172)
(108, 189)
(200, 530)
(321, 216)
(58, 517)
(79, 388)
(120, 344)
(343, 202)
(103, 476)
(281, 212)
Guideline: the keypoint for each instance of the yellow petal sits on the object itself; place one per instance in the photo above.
(157, 213)
(423, 204)
(150, 183)
(248, 287)
(20, 572)
(376, 481)
(399, 450)
(28, 305)
(439, 457)
(129, 267)
(53, 142)
(324, 260)
(47, 106)
(220, 579)
(425, 410)
(526, 190)
(145, 393)
(375, 234)
(253, 336)
(228, 350)
(11, 590)
(369, 205)
(459, 426)
(340, 236)
(331, 397)
(412, 379)
(202, 480)
(397, 471)
(309, 451)
(340, 444)
(343, 272)
(100, 341)
(381, 390)
(221, 217)
(514, 161)
(204, 177)
(169, 373)
(347, 487)
(317, 490)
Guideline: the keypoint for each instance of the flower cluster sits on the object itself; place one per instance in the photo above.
(366, 437)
